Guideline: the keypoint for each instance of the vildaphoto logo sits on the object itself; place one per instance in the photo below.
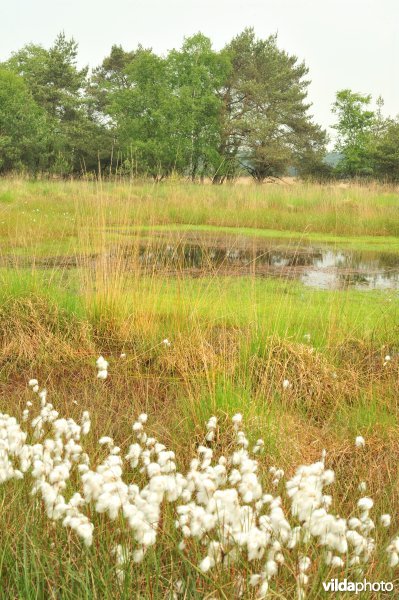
(336, 585)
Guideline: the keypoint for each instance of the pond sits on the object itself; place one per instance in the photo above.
(316, 266)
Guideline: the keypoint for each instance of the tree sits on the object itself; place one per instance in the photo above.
(57, 86)
(311, 163)
(110, 77)
(195, 111)
(197, 73)
(386, 152)
(52, 76)
(145, 111)
(354, 128)
(266, 125)
(166, 111)
(23, 127)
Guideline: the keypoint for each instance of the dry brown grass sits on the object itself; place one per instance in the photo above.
(33, 330)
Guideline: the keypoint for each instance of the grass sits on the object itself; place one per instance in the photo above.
(364, 243)
(45, 217)
(234, 341)
(215, 301)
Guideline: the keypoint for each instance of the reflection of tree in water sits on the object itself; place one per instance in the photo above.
(289, 259)
(370, 260)
(373, 281)
(195, 255)
(369, 269)
(390, 261)
(350, 279)
(348, 261)
(304, 260)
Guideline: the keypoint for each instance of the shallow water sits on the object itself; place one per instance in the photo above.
(317, 267)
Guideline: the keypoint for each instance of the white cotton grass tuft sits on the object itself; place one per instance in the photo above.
(259, 446)
(360, 442)
(102, 368)
(211, 429)
(286, 384)
(365, 503)
(166, 342)
(106, 440)
(225, 510)
(101, 363)
(385, 520)
(237, 420)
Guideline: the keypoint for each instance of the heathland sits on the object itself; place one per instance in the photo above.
(169, 282)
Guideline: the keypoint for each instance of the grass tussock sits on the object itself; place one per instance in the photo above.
(33, 330)
(304, 378)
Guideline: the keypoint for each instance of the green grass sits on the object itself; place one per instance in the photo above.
(365, 243)
(49, 218)
(272, 306)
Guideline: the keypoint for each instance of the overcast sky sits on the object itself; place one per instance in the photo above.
(345, 43)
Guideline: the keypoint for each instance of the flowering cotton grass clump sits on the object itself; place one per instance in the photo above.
(228, 511)
(102, 368)
(225, 518)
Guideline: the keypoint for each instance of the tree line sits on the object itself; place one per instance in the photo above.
(195, 112)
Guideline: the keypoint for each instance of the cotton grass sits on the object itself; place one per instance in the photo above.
(227, 517)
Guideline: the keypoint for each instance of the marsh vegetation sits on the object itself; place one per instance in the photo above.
(104, 268)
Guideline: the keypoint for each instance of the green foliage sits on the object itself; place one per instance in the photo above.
(195, 112)
(56, 84)
(197, 74)
(22, 126)
(52, 76)
(144, 111)
(355, 133)
(266, 124)
(108, 78)
(166, 110)
(368, 143)
(386, 152)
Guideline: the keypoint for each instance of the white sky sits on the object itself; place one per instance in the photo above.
(345, 43)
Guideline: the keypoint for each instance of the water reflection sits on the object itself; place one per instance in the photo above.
(323, 268)
(317, 267)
